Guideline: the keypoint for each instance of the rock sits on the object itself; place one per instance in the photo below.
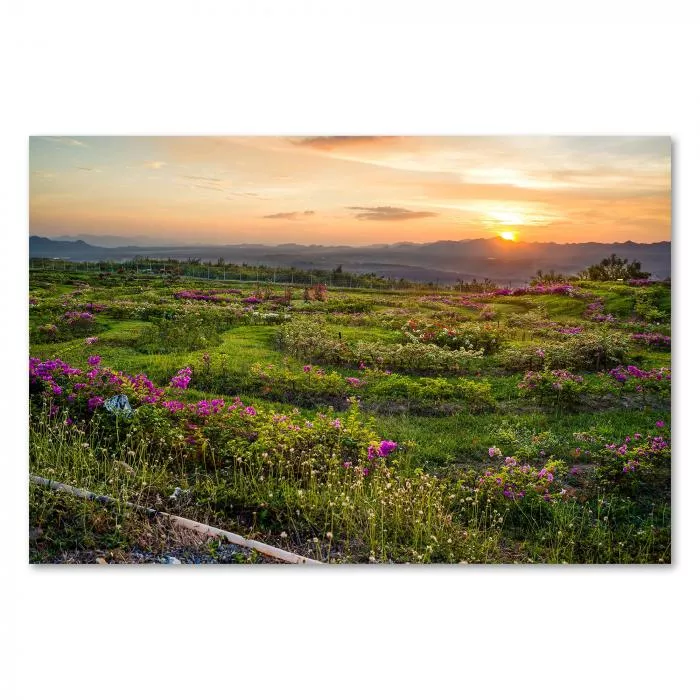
(172, 560)
(100, 560)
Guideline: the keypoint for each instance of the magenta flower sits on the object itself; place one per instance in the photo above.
(250, 411)
(94, 402)
(182, 379)
(660, 424)
(94, 360)
(386, 447)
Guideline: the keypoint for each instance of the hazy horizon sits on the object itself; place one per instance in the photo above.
(351, 190)
(149, 242)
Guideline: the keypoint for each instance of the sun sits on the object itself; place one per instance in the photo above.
(507, 235)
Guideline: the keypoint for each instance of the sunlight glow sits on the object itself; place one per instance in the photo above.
(508, 235)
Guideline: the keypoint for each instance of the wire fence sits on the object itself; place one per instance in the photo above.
(243, 274)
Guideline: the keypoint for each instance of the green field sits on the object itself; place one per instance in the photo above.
(356, 426)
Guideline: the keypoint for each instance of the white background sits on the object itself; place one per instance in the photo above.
(327, 68)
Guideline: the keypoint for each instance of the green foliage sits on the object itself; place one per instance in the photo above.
(310, 339)
(586, 351)
(182, 332)
(382, 390)
(614, 268)
(652, 304)
(259, 474)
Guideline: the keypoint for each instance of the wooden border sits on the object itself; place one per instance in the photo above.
(232, 537)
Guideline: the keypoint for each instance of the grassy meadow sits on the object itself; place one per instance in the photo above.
(482, 425)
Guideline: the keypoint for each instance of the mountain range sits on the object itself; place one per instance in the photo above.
(502, 261)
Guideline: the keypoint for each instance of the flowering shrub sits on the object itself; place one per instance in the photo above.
(182, 379)
(517, 484)
(317, 292)
(79, 318)
(637, 462)
(558, 387)
(84, 390)
(215, 295)
(655, 340)
(640, 282)
(595, 311)
(227, 431)
(558, 289)
(470, 336)
(584, 351)
(309, 338)
(632, 378)
(417, 393)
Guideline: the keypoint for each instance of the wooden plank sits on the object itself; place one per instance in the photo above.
(232, 537)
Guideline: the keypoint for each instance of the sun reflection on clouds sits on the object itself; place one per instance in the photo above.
(224, 189)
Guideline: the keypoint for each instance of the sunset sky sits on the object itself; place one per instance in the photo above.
(351, 190)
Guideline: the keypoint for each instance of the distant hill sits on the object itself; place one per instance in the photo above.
(444, 261)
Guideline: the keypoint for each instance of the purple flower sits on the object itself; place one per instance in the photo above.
(94, 402)
(250, 411)
(182, 379)
(386, 447)
(94, 360)
(660, 424)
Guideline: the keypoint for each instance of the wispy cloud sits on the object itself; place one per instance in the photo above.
(201, 179)
(154, 164)
(331, 143)
(389, 214)
(65, 140)
(89, 170)
(289, 215)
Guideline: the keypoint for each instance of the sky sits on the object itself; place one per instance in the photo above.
(352, 190)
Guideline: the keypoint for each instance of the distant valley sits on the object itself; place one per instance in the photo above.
(442, 261)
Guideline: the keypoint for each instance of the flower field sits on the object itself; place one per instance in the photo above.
(526, 425)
